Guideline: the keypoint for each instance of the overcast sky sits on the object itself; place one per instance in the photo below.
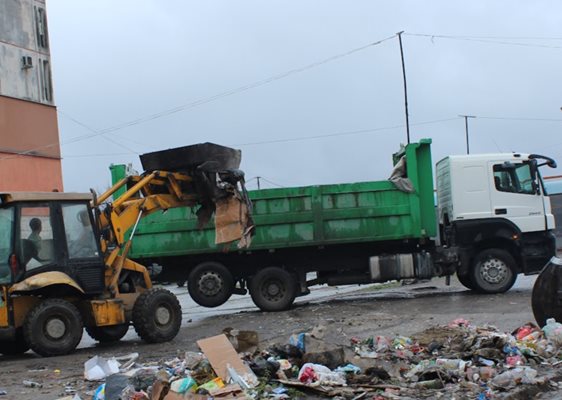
(118, 63)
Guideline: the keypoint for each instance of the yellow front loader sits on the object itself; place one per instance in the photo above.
(63, 256)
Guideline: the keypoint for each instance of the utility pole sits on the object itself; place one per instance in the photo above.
(399, 34)
(466, 117)
(258, 179)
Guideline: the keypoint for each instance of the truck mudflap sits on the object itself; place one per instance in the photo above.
(546, 299)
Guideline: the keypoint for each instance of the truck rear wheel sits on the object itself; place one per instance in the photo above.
(14, 347)
(53, 327)
(210, 284)
(157, 315)
(273, 289)
(107, 334)
(493, 271)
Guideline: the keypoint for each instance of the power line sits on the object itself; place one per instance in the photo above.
(272, 183)
(206, 100)
(522, 119)
(238, 89)
(482, 40)
(344, 133)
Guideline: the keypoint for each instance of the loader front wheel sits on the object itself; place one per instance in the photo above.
(210, 284)
(14, 347)
(107, 334)
(157, 315)
(53, 327)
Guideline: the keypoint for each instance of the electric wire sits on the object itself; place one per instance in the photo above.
(344, 133)
(482, 40)
(206, 100)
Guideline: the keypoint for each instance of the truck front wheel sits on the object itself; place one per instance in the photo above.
(273, 289)
(465, 280)
(210, 284)
(493, 271)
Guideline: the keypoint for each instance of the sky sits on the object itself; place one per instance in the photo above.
(302, 87)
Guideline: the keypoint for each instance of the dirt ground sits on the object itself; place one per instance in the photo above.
(402, 310)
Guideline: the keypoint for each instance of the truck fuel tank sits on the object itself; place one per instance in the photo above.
(401, 266)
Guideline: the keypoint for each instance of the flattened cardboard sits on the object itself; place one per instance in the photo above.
(219, 352)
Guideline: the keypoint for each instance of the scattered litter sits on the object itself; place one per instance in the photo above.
(32, 384)
(458, 360)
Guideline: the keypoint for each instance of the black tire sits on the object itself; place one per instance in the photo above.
(210, 284)
(273, 289)
(157, 315)
(14, 347)
(493, 271)
(107, 334)
(53, 327)
(546, 293)
(465, 280)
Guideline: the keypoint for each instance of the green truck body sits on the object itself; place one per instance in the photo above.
(359, 233)
(306, 216)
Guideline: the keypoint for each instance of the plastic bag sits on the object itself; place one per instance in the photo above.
(310, 373)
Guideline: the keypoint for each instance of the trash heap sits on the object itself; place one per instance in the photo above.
(454, 361)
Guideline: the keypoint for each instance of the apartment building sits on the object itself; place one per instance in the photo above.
(30, 157)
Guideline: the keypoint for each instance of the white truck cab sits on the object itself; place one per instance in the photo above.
(494, 208)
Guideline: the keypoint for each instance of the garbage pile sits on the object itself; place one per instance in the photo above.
(454, 361)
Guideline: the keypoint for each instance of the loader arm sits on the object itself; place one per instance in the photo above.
(145, 194)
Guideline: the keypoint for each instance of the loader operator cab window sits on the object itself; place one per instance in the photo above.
(513, 178)
(6, 236)
(80, 237)
(35, 237)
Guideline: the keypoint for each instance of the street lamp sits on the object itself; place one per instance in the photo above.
(466, 117)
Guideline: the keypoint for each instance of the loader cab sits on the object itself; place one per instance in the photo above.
(43, 232)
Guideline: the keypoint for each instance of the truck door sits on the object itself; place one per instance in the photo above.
(514, 196)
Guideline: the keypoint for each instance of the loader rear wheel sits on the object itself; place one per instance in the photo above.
(14, 347)
(273, 289)
(493, 271)
(157, 315)
(53, 327)
(107, 334)
(210, 284)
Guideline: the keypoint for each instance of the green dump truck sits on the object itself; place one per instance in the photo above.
(493, 219)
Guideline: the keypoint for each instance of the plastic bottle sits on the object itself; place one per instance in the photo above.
(553, 331)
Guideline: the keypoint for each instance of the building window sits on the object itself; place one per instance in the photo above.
(41, 27)
(45, 81)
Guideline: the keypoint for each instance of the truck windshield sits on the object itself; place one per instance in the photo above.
(513, 178)
(6, 236)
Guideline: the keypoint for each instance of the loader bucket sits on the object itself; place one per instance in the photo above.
(547, 293)
(209, 156)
